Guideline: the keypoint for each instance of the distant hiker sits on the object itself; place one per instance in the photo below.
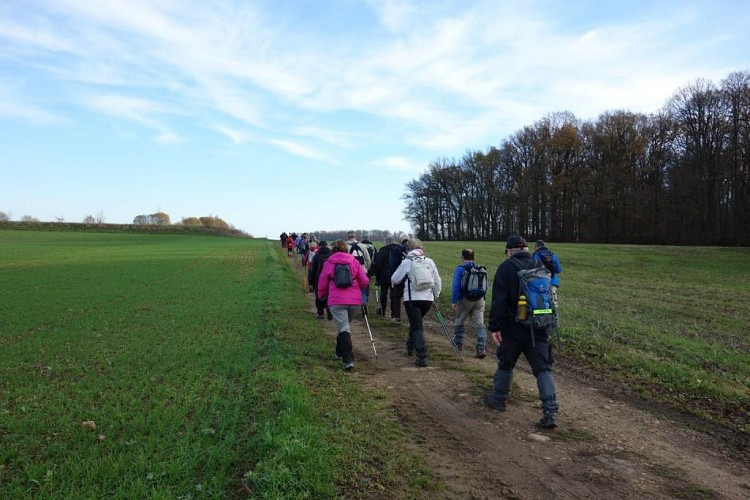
(289, 247)
(359, 251)
(317, 266)
(283, 238)
(309, 257)
(397, 293)
(552, 263)
(422, 281)
(514, 338)
(302, 249)
(465, 304)
(342, 280)
(382, 271)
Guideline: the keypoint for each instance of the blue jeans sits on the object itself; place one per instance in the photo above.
(475, 309)
(540, 359)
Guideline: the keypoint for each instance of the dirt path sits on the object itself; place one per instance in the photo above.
(604, 447)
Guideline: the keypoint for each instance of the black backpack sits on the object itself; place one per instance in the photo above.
(342, 276)
(358, 253)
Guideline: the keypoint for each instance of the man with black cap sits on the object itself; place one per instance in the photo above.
(513, 338)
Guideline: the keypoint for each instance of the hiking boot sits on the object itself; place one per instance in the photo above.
(421, 362)
(320, 316)
(348, 365)
(396, 320)
(329, 315)
(548, 421)
(459, 346)
(481, 353)
(494, 403)
(410, 352)
(379, 311)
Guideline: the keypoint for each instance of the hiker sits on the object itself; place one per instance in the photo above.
(359, 251)
(343, 301)
(309, 257)
(513, 338)
(321, 256)
(290, 247)
(422, 286)
(466, 305)
(302, 249)
(552, 263)
(397, 289)
(382, 271)
(283, 238)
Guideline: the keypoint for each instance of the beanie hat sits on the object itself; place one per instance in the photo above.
(324, 243)
(516, 241)
(403, 237)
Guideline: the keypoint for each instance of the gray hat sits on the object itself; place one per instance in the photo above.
(388, 240)
(351, 233)
(403, 237)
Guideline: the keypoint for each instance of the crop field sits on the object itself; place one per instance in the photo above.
(137, 365)
(176, 366)
(673, 323)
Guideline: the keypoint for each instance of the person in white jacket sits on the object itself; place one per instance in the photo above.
(422, 286)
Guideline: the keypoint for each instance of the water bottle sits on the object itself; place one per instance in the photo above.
(521, 307)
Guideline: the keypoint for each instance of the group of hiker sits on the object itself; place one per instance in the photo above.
(522, 314)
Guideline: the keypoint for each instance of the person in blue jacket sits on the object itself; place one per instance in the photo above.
(464, 307)
(552, 263)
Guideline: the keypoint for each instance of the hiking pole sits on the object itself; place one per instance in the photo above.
(364, 314)
(445, 329)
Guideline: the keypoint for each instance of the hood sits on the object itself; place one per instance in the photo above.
(340, 258)
(417, 252)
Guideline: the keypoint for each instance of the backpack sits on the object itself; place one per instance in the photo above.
(535, 284)
(474, 282)
(547, 258)
(342, 276)
(358, 253)
(420, 276)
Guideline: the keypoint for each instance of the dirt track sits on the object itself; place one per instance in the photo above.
(603, 448)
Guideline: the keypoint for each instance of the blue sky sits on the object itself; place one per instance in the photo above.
(298, 115)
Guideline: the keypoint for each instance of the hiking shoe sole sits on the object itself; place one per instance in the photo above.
(348, 366)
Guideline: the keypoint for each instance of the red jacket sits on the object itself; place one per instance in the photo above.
(342, 296)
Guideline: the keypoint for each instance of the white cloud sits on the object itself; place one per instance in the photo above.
(298, 149)
(401, 163)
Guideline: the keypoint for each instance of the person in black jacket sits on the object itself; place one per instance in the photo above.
(382, 271)
(513, 338)
(317, 266)
(397, 293)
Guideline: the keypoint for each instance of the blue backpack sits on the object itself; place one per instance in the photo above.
(535, 284)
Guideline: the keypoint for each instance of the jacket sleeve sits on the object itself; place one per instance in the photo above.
(359, 271)
(456, 285)
(324, 280)
(438, 282)
(557, 264)
(400, 274)
(500, 301)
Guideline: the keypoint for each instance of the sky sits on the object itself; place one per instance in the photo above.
(281, 115)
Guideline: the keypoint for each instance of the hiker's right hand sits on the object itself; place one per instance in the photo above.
(497, 337)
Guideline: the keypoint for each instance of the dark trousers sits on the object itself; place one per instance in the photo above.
(397, 293)
(383, 297)
(539, 357)
(416, 310)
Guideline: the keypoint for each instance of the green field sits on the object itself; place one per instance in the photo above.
(199, 364)
(672, 323)
(206, 374)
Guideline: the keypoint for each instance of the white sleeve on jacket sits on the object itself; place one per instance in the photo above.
(438, 282)
(401, 272)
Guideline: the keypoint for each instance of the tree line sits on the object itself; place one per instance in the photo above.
(678, 176)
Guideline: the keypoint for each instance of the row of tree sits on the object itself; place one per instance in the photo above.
(680, 176)
(163, 219)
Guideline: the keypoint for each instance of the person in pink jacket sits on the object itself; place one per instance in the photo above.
(344, 293)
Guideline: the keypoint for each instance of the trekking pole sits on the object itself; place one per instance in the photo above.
(445, 329)
(364, 313)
